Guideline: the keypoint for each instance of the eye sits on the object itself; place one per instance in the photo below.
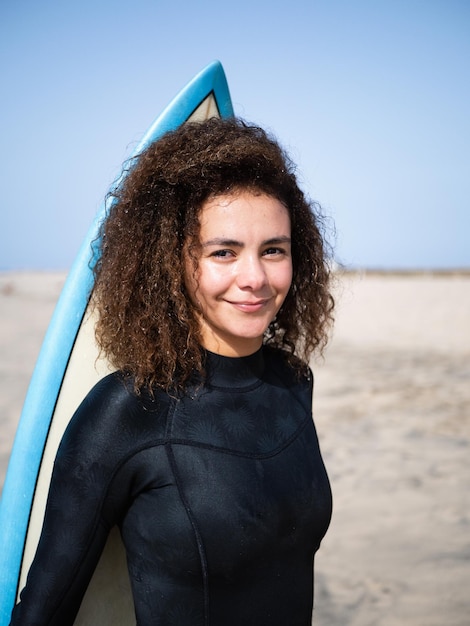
(274, 251)
(222, 254)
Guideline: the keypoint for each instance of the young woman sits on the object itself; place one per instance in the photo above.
(212, 290)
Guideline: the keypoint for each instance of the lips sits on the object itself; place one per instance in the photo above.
(250, 306)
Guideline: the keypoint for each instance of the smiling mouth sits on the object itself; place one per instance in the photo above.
(249, 306)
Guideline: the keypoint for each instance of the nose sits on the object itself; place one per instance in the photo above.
(251, 273)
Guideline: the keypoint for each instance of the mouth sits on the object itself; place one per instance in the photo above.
(249, 306)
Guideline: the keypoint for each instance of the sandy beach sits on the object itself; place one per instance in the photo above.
(392, 408)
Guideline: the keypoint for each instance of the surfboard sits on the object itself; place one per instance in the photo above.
(68, 366)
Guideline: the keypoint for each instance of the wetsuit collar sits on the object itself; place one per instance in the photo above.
(234, 372)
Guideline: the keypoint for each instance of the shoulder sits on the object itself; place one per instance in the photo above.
(111, 398)
(112, 392)
(112, 411)
(289, 372)
(290, 367)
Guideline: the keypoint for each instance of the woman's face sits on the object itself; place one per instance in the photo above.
(244, 270)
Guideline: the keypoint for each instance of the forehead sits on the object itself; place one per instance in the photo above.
(244, 212)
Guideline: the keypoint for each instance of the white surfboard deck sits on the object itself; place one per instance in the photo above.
(68, 366)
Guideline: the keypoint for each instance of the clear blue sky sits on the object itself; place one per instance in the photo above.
(371, 98)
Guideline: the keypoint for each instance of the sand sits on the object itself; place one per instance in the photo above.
(392, 408)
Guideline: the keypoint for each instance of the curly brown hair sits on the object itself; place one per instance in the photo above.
(147, 324)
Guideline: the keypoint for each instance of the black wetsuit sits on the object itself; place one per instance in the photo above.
(221, 497)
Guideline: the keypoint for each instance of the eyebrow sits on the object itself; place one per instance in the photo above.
(221, 241)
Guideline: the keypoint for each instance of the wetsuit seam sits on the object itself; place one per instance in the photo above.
(170, 418)
(240, 453)
(195, 527)
(233, 389)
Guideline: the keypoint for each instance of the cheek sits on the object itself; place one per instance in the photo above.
(284, 278)
(204, 285)
(214, 279)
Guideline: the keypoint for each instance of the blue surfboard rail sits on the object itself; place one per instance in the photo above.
(46, 381)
